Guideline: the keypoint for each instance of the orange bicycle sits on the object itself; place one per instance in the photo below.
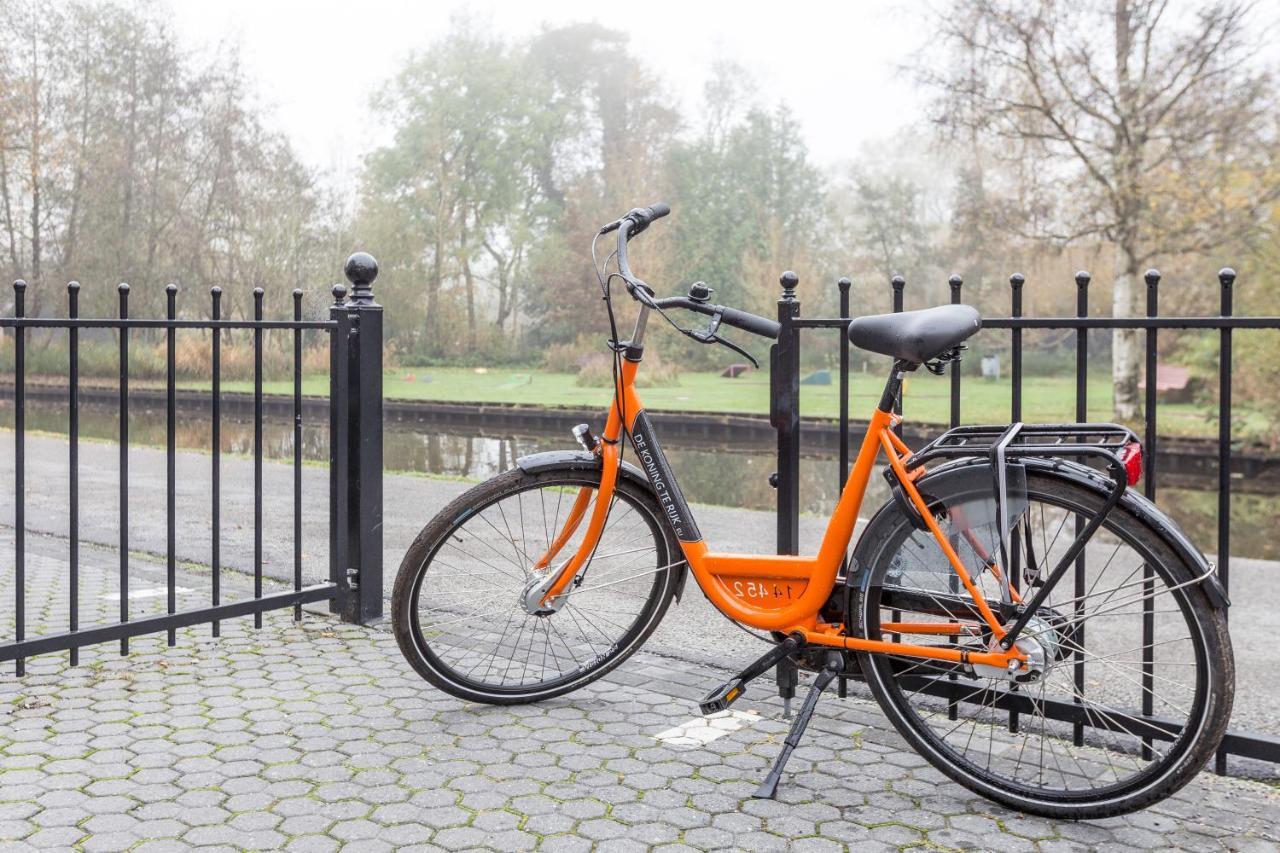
(1001, 607)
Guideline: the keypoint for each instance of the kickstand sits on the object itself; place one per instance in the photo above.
(787, 676)
(832, 667)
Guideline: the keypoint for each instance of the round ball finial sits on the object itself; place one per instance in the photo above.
(258, 292)
(339, 294)
(1226, 276)
(789, 280)
(898, 282)
(1017, 280)
(171, 288)
(1083, 278)
(1151, 277)
(73, 286)
(955, 281)
(844, 284)
(123, 288)
(361, 270)
(297, 293)
(216, 291)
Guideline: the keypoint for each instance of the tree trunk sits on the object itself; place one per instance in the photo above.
(10, 226)
(35, 162)
(468, 279)
(124, 252)
(1126, 344)
(433, 291)
(471, 302)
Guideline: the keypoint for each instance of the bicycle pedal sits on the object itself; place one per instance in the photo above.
(722, 697)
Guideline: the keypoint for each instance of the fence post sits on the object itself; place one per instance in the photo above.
(19, 474)
(1152, 278)
(361, 600)
(899, 284)
(785, 414)
(1016, 281)
(955, 283)
(339, 447)
(844, 284)
(1226, 278)
(1082, 416)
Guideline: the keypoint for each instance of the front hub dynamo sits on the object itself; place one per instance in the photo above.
(536, 589)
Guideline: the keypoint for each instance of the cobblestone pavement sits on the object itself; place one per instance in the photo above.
(695, 631)
(316, 735)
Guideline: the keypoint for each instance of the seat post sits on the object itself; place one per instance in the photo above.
(893, 387)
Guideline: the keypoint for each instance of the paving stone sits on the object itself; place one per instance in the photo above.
(55, 838)
(460, 838)
(602, 830)
(312, 844)
(316, 736)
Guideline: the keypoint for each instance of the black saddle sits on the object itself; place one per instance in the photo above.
(915, 336)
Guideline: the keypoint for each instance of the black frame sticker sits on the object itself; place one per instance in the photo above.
(658, 470)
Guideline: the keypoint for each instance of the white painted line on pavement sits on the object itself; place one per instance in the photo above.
(150, 592)
(702, 730)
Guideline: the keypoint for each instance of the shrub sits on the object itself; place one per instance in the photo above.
(597, 372)
(572, 357)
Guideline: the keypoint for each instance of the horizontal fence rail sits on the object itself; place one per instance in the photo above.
(354, 586)
(127, 323)
(784, 414)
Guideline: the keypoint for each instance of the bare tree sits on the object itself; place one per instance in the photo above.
(123, 159)
(1142, 123)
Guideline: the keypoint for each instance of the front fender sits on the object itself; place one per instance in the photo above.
(585, 460)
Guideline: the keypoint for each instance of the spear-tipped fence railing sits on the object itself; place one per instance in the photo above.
(785, 416)
(354, 585)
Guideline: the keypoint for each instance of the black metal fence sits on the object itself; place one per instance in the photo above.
(354, 587)
(785, 395)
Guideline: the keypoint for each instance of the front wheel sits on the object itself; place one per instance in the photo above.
(460, 607)
(1134, 677)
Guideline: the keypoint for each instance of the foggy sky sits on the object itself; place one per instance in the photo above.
(315, 62)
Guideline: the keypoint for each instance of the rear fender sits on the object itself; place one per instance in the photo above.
(1088, 478)
(585, 460)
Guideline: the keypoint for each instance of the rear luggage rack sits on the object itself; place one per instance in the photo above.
(1116, 446)
(1101, 441)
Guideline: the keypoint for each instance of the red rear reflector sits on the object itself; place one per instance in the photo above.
(1131, 457)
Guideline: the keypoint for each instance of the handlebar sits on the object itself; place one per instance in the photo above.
(743, 320)
(639, 217)
(634, 222)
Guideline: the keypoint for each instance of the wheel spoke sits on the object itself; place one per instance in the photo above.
(961, 711)
(463, 588)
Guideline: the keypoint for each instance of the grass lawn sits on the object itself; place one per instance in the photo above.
(926, 398)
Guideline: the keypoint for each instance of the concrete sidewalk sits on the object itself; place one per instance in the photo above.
(317, 735)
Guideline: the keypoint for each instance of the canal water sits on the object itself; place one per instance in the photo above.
(729, 475)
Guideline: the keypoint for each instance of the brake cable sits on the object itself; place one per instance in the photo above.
(709, 336)
(702, 336)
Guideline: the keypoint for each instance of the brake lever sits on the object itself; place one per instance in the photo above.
(716, 339)
(709, 336)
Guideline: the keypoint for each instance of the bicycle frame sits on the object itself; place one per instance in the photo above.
(769, 592)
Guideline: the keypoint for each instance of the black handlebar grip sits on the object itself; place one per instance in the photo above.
(659, 210)
(640, 217)
(750, 323)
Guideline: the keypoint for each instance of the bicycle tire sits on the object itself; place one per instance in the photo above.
(414, 576)
(886, 540)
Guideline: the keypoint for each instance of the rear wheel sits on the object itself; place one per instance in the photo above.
(1135, 681)
(460, 607)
